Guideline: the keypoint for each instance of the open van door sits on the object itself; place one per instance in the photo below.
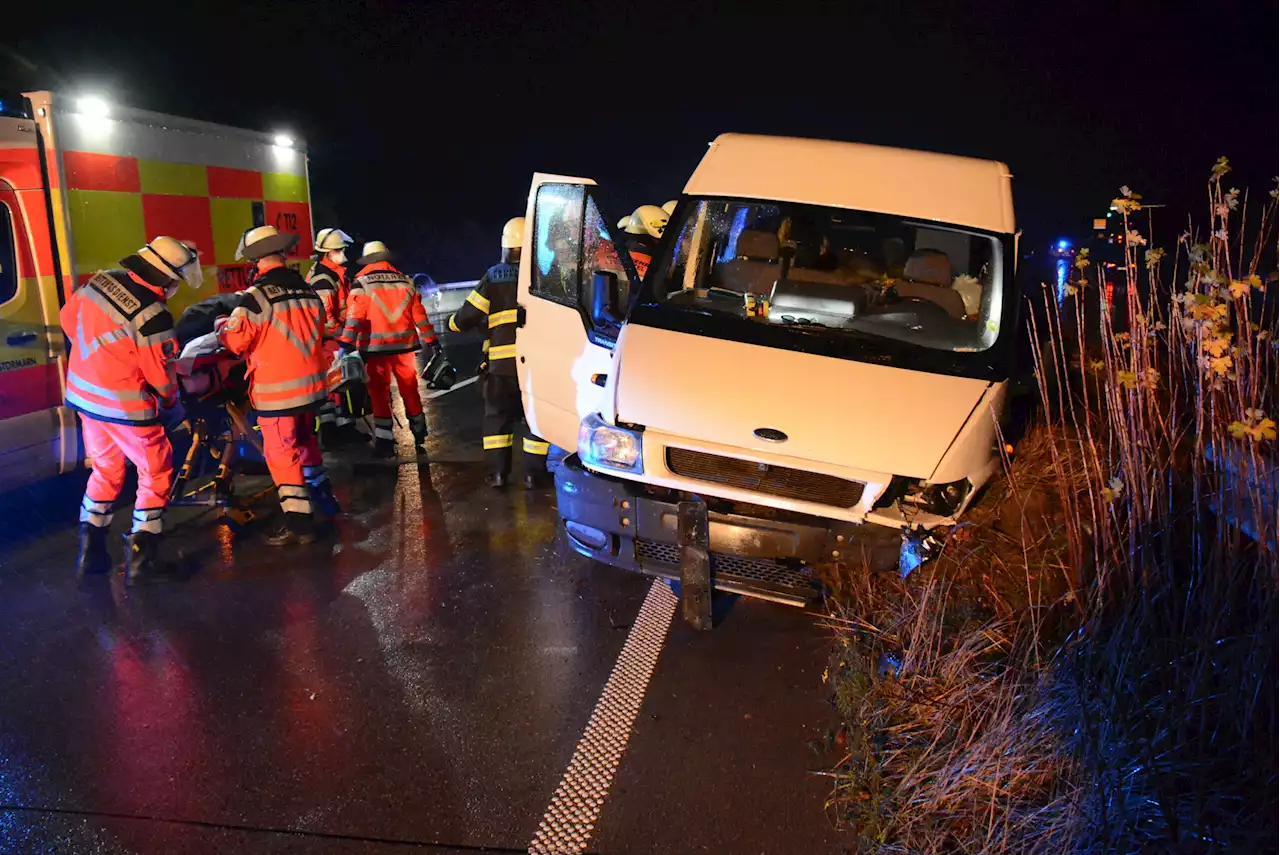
(38, 436)
(572, 316)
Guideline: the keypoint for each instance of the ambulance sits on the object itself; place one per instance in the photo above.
(84, 183)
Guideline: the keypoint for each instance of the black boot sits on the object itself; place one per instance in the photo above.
(418, 427)
(322, 495)
(293, 530)
(537, 481)
(384, 448)
(496, 480)
(140, 559)
(330, 438)
(92, 559)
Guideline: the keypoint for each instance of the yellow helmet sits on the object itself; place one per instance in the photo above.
(670, 207)
(513, 233)
(647, 220)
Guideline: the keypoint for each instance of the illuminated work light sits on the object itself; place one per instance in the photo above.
(93, 106)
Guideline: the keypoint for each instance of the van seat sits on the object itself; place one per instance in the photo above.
(928, 275)
(754, 267)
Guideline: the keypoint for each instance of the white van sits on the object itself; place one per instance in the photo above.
(821, 349)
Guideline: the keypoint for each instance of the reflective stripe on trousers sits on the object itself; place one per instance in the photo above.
(148, 520)
(314, 475)
(499, 441)
(97, 514)
(294, 498)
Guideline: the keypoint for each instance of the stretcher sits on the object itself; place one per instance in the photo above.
(215, 408)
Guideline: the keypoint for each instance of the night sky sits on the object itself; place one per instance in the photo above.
(425, 121)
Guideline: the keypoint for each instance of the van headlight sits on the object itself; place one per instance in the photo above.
(609, 447)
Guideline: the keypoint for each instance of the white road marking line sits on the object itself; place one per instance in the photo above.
(455, 387)
(566, 826)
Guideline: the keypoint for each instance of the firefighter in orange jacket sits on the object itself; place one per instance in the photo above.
(122, 341)
(493, 306)
(388, 323)
(279, 329)
(328, 278)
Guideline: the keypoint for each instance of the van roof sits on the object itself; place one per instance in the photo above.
(944, 188)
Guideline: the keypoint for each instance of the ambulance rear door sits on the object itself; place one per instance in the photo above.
(38, 436)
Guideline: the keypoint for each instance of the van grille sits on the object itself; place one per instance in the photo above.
(765, 478)
(739, 574)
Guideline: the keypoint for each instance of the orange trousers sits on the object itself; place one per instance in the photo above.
(109, 446)
(403, 368)
(293, 457)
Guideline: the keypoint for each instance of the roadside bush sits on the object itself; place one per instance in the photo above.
(1090, 666)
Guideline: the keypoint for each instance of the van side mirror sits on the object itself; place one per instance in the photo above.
(605, 301)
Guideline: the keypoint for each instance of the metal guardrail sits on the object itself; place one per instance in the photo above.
(444, 299)
(447, 297)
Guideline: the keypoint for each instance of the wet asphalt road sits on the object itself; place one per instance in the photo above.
(417, 682)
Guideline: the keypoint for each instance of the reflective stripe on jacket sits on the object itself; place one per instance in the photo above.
(385, 312)
(330, 284)
(122, 341)
(491, 306)
(279, 329)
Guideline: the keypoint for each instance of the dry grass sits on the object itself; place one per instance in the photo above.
(1090, 666)
(940, 679)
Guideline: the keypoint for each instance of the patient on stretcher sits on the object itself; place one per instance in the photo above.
(213, 408)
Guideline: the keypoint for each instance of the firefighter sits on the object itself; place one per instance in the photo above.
(492, 305)
(387, 322)
(118, 378)
(279, 329)
(643, 230)
(328, 279)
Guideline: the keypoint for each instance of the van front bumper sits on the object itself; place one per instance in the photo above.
(755, 550)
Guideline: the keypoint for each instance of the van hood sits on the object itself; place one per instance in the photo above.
(838, 412)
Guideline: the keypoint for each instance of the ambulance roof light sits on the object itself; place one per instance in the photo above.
(283, 140)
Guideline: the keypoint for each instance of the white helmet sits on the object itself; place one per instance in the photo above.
(329, 240)
(670, 207)
(513, 233)
(647, 220)
(174, 259)
(374, 250)
(262, 241)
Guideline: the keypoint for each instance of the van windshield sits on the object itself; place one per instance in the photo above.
(833, 273)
